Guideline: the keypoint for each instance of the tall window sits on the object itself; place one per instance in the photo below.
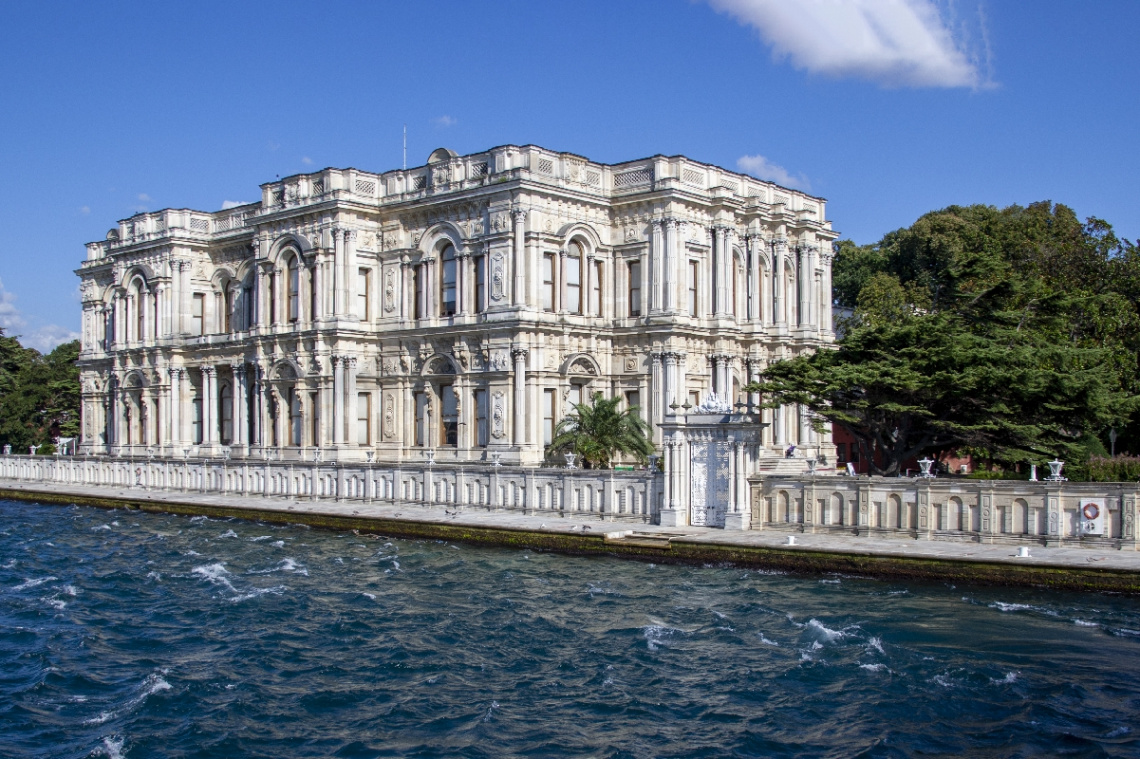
(272, 280)
(573, 302)
(694, 270)
(481, 418)
(196, 421)
(314, 419)
(548, 282)
(447, 305)
(247, 307)
(633, 400)
(140, 315)
(228, 308)
(294, 417)
(574, 398)
(314, 293)
(596, 289)
(294, 285)
(364, 294)
(421, 401)
(449, 416)
(198, 315)
(226, 412)
(418, 291)
(547, 416)
(364, 419)
(635, 288)
(480, 283)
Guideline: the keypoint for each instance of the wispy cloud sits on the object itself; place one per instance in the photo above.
(761, 168)
(444, 121)
(306, 160)
(14, 324)
(144, 198)
(228, 204)
(896, 43)
(85, 210)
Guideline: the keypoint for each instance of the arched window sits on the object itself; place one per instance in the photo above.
(574, 278)
(294, 285)
(447, 302)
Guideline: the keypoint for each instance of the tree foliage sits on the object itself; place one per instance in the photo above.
(39, 395)
(597, 431)
(1012, 333)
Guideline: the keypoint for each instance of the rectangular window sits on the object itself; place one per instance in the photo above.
(314, 419)
(364, 419)
(596, 289)
(228, 298)
(548, 282)
(693, 273)
(547, 416)
(198, 315)
(841, 453)
(294, 292)
(481, 418)
(573, 398)
(196, 421)
(314, 294)
(294, 418)
(480, 283)
(272, 280)
(447, 305)
(573, 284)
(417, 292)
(633, 401)
(364, 294)
(247, 307)
(449, 416)
(635, 288)
(421, 401)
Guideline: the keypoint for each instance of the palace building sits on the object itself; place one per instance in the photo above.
(458, 307)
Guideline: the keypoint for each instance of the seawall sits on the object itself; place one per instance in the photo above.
(1059, 568)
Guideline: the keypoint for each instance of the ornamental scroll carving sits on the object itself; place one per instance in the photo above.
(500, 361)
(389, 415)
(498, 276)
(390, 290)
(498, 414)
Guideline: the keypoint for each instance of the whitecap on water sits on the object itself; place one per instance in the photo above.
(154, 683)
(1009, 679)
(1084, 623)
(199, 519)
(369, 596)
(70, 590)
(10, 564)
(228, 534)
(659, 635)
(767, 642)
(56, 603)
(215, 574)
(101, 527)
(287, 564)
(154, 576)
(826, 634)
(490, 711)
(31, 583)
(1000, 606)
(876, 644)
(830, 582)
(279, 543)
(260, 538)
(873, 667)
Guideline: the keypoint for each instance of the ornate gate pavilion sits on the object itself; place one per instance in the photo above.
(457, 307)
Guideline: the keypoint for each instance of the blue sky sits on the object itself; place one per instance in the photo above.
(888, 108)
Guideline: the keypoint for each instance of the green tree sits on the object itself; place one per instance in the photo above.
(599, 430)
(1010, 332)
(39, 395)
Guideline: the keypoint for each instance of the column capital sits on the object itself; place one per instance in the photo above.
(519, 353)
(209, 370)
(519, 214)
(349, 361)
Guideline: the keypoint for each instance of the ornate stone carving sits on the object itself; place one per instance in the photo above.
(389, 415)
(500, 361)
(498, 276)
(390, 290)
(498, 414)
(390, 366)
(631, 364)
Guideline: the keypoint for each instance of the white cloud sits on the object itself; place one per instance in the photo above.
(307, 161)
(444, 121)
(45, 338)
(897, 43)
(761, 168)
(10, 317)
(42, 338)
(85, 210)
(143, 197)
(228, 204)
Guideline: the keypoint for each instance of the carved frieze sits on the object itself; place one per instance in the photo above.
(498, 414)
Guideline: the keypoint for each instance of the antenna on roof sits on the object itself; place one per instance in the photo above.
(405, 146)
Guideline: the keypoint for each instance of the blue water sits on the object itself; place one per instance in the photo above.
(133, 635)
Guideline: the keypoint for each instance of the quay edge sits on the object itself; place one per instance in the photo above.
(861, 562)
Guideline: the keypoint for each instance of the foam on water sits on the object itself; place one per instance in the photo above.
(33, 583)
(768, 642)
(1009, 679)
(825, 634)
(228, 534)
(112, 747)
(1011, 607)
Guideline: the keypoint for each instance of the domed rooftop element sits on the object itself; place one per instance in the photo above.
(439, 155)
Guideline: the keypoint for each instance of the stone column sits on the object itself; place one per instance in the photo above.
(175, 403)
(405, 295)
(656, 265)
(350, 271)
(209, 405)
(669, 382)
(721, 270)
(430, 287)
(318, 293)
(338, 400)
(671, 265)
(518, 215)
(825, 316)
(657, 399)
(350, 390)
(175, 305)
(755, 288)
(779, 252)
(338, 271)
(238, 412)
(520, 355)
(562, 281)
(462, 265)
(261, 316)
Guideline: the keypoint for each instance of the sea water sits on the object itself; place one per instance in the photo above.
(125, 634)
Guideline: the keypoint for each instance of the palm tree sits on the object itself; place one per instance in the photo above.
(598, 431)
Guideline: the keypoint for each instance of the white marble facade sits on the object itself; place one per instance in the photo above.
(457, 307)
